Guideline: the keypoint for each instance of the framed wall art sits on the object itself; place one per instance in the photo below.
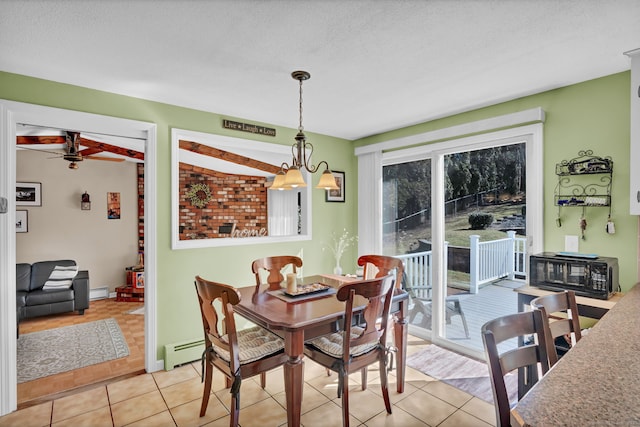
(113, 205)
(28, 194)
(336, 195)
(22, 221)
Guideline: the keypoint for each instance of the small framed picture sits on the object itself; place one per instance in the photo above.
(28, 194)
(337, 195)
(113, 205)
(22, 221)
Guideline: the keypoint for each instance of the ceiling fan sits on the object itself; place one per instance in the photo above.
(74, 155)
(71, 143)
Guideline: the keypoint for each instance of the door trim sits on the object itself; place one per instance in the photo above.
(11, 114)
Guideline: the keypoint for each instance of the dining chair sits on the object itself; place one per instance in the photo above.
(531, 356)
(273, 265)
(564, 329)
(375, 266)
(384, 265)
(356, 346)
(238, 354)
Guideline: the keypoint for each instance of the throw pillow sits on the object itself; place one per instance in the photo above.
(61, 277)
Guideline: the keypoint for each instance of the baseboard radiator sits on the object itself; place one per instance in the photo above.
(179, 353)
(98, 293)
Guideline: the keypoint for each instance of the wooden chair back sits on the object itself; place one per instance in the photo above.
(569, 326)
(222, 344)
(532, 355)
(219, 328)
(374, 318)
(274, 266)
(384, 265)
(363, 337)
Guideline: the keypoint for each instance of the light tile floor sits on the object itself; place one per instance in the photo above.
(172, 398)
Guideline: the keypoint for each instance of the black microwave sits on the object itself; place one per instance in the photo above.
(587, 275)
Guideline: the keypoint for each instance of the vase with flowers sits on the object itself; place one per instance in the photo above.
(338, 245)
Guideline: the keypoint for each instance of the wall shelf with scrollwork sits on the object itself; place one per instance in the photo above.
(584, 181)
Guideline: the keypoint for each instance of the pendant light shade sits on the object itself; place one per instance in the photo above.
(278, 182)
(327, 181)
(290, 176)
(293, 178)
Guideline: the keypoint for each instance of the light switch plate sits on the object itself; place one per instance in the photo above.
(4, 203)
(571, 243)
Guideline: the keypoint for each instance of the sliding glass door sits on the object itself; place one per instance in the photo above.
(406, 231)
(457, 217)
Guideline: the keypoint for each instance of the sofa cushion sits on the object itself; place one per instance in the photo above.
(40, 271)
(23, 277)
(21, 298)
(61, 277)
(48, 297)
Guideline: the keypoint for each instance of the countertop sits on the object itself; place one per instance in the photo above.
(597, 382)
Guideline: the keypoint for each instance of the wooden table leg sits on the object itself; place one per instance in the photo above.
(294, 376)
(401, 328)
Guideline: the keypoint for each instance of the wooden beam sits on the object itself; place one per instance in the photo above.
(228, 156)
(97, 147)
(35, 140)
(94, 147)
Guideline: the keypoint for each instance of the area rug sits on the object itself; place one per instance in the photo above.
(460, 371)
(139, 310)
(50, 352)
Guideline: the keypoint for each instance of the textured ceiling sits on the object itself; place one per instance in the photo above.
(375, 65)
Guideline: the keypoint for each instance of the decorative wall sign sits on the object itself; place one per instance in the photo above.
(22, 221)
(28, 194)
(248, 127)
(113, 205)
(336, 195)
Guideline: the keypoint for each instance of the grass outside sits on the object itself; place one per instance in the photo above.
(457, 230)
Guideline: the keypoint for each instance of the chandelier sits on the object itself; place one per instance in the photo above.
(290, 175)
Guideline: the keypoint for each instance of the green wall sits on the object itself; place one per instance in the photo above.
(178, 313)
(591, 115)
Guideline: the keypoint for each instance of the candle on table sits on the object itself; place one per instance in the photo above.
(292, 286)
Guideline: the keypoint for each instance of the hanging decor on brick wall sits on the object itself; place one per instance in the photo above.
(199, 194)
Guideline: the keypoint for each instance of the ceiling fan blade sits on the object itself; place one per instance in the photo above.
(57, 153)
(107, 159)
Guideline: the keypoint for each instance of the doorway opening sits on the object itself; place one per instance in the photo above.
(13, 115)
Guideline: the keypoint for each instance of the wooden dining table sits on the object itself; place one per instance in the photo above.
(297, 321)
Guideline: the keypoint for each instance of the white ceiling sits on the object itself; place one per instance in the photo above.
(375, 65)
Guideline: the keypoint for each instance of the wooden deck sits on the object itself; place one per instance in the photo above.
(494, 300)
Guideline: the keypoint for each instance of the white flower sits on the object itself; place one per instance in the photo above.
(340, 243)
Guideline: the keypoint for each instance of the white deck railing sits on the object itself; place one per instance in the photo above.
(488, 261)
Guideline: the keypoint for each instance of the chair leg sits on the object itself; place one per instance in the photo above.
(345, 401)
(464, 324)
(234, 410)
(363, 373)
(263, 379)
(207, 388)
(384, 384)
(458, 310)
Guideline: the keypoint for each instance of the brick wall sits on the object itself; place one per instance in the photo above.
(140, 172)
(238, 205)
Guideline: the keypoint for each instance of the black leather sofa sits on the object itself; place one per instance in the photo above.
(33, 301)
